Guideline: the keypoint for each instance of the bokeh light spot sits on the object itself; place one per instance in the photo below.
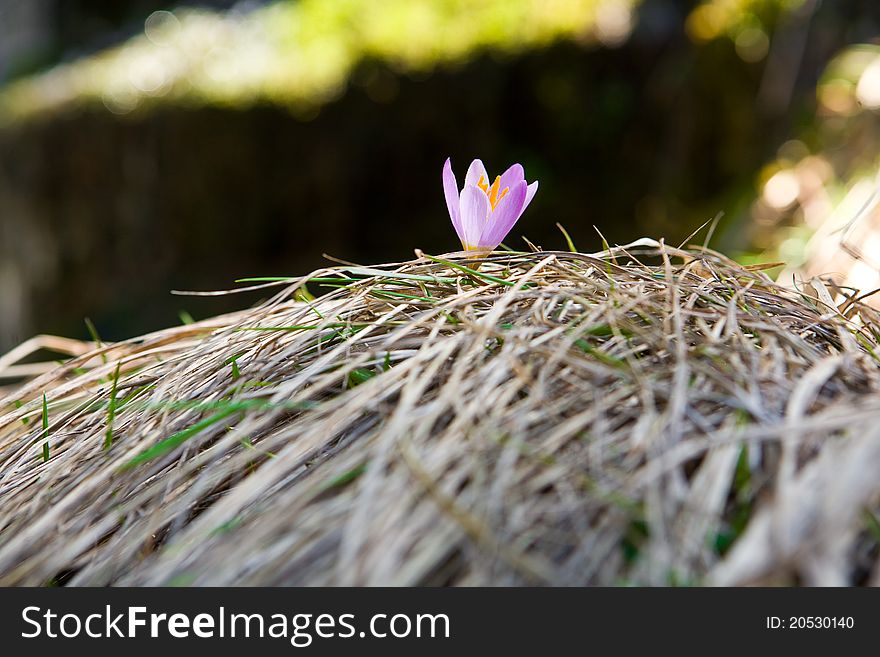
(752, 44)
(868, 88)
(782, 190)
(162, 28)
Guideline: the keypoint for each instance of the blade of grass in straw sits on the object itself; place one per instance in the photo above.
(866, 344)
(571, 247)
(302, 294)
(368, 272)
(312, 307)
(311, 327)
(359, 375)
(611, 259)
(250, 445)
(233, 361)
(222, 405)
(402, 295)
(18, 404)
(473, 272)
(111, 408)
(45, 429)
(227, 526)
(873, 524)
(381, 274)
(599, 354)
(163, 447)
(134, 394)
(93, 331)
(317, 279)
(345, 478)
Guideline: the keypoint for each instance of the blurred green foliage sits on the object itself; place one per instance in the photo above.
(300, 53)
(732, 18)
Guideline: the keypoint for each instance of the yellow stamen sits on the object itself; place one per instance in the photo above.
(475, 251)
(492, 192)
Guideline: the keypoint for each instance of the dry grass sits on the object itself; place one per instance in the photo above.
(553, 418)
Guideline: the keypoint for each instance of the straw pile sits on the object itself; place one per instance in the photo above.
(644, 415)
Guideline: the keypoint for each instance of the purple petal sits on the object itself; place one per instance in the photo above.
(504, 216)
(474, 209)
(475, 170)
(512, 176)
(530, 194)
(450, 190)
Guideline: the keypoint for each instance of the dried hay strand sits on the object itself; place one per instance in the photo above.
(643, 415)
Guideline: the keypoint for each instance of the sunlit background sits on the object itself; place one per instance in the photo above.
(146, 146)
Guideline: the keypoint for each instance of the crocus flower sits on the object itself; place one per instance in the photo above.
(483, 214)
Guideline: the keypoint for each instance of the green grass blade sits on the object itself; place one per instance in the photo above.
(233, 362)
(93, 331)
(391, 275)
(163, 447)
(45, 429)
(359, 375)
(345, 478)
(473, 272)
(111, 409)
(571, 246)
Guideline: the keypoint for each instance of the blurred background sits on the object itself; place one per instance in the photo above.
(147, 146)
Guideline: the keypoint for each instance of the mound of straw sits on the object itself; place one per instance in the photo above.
(644, 415)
